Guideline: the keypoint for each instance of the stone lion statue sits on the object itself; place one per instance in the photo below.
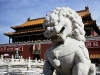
(68, 54)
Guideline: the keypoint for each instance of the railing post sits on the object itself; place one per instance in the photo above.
(8, 68)
(29, 64)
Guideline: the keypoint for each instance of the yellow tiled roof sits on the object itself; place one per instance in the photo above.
(83, 13)
(92, 56)
(33, 22)
(38, 21)
(28, 31)
(30, 23)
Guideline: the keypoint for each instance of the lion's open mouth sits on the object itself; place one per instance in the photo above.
(54, 37)
(57, 36)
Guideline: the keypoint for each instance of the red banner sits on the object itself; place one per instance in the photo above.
(10, 48)
(92, 44)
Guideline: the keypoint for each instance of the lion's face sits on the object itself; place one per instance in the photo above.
(56, 29)
(63, 22)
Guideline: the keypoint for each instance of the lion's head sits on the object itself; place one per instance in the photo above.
(63, 22)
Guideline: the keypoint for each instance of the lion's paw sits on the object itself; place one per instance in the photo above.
(56, 62)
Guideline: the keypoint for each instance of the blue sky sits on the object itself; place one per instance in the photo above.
(16, 12)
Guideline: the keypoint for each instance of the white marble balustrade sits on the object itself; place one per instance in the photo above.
(11, 64)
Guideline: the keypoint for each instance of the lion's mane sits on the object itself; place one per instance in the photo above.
(77, 24)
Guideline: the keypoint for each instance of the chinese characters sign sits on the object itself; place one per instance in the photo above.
(92, 44)
(10, 48)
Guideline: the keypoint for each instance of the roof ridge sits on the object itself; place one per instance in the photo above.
(86, 9)
(36, 19)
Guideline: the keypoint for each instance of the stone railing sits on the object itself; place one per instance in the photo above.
(11, 64)
(97, 73)
(21, 73)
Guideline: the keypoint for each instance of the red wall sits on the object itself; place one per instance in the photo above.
(43, 49)
(28, 50)
(94, 50)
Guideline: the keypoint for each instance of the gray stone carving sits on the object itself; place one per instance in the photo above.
(68, 54)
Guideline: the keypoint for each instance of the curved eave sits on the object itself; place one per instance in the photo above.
(8, 33)
(94, 56)
(90, 23)
(23, 32)
(82, 13)
(87, 15)
(16, 27)
(94, 26)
